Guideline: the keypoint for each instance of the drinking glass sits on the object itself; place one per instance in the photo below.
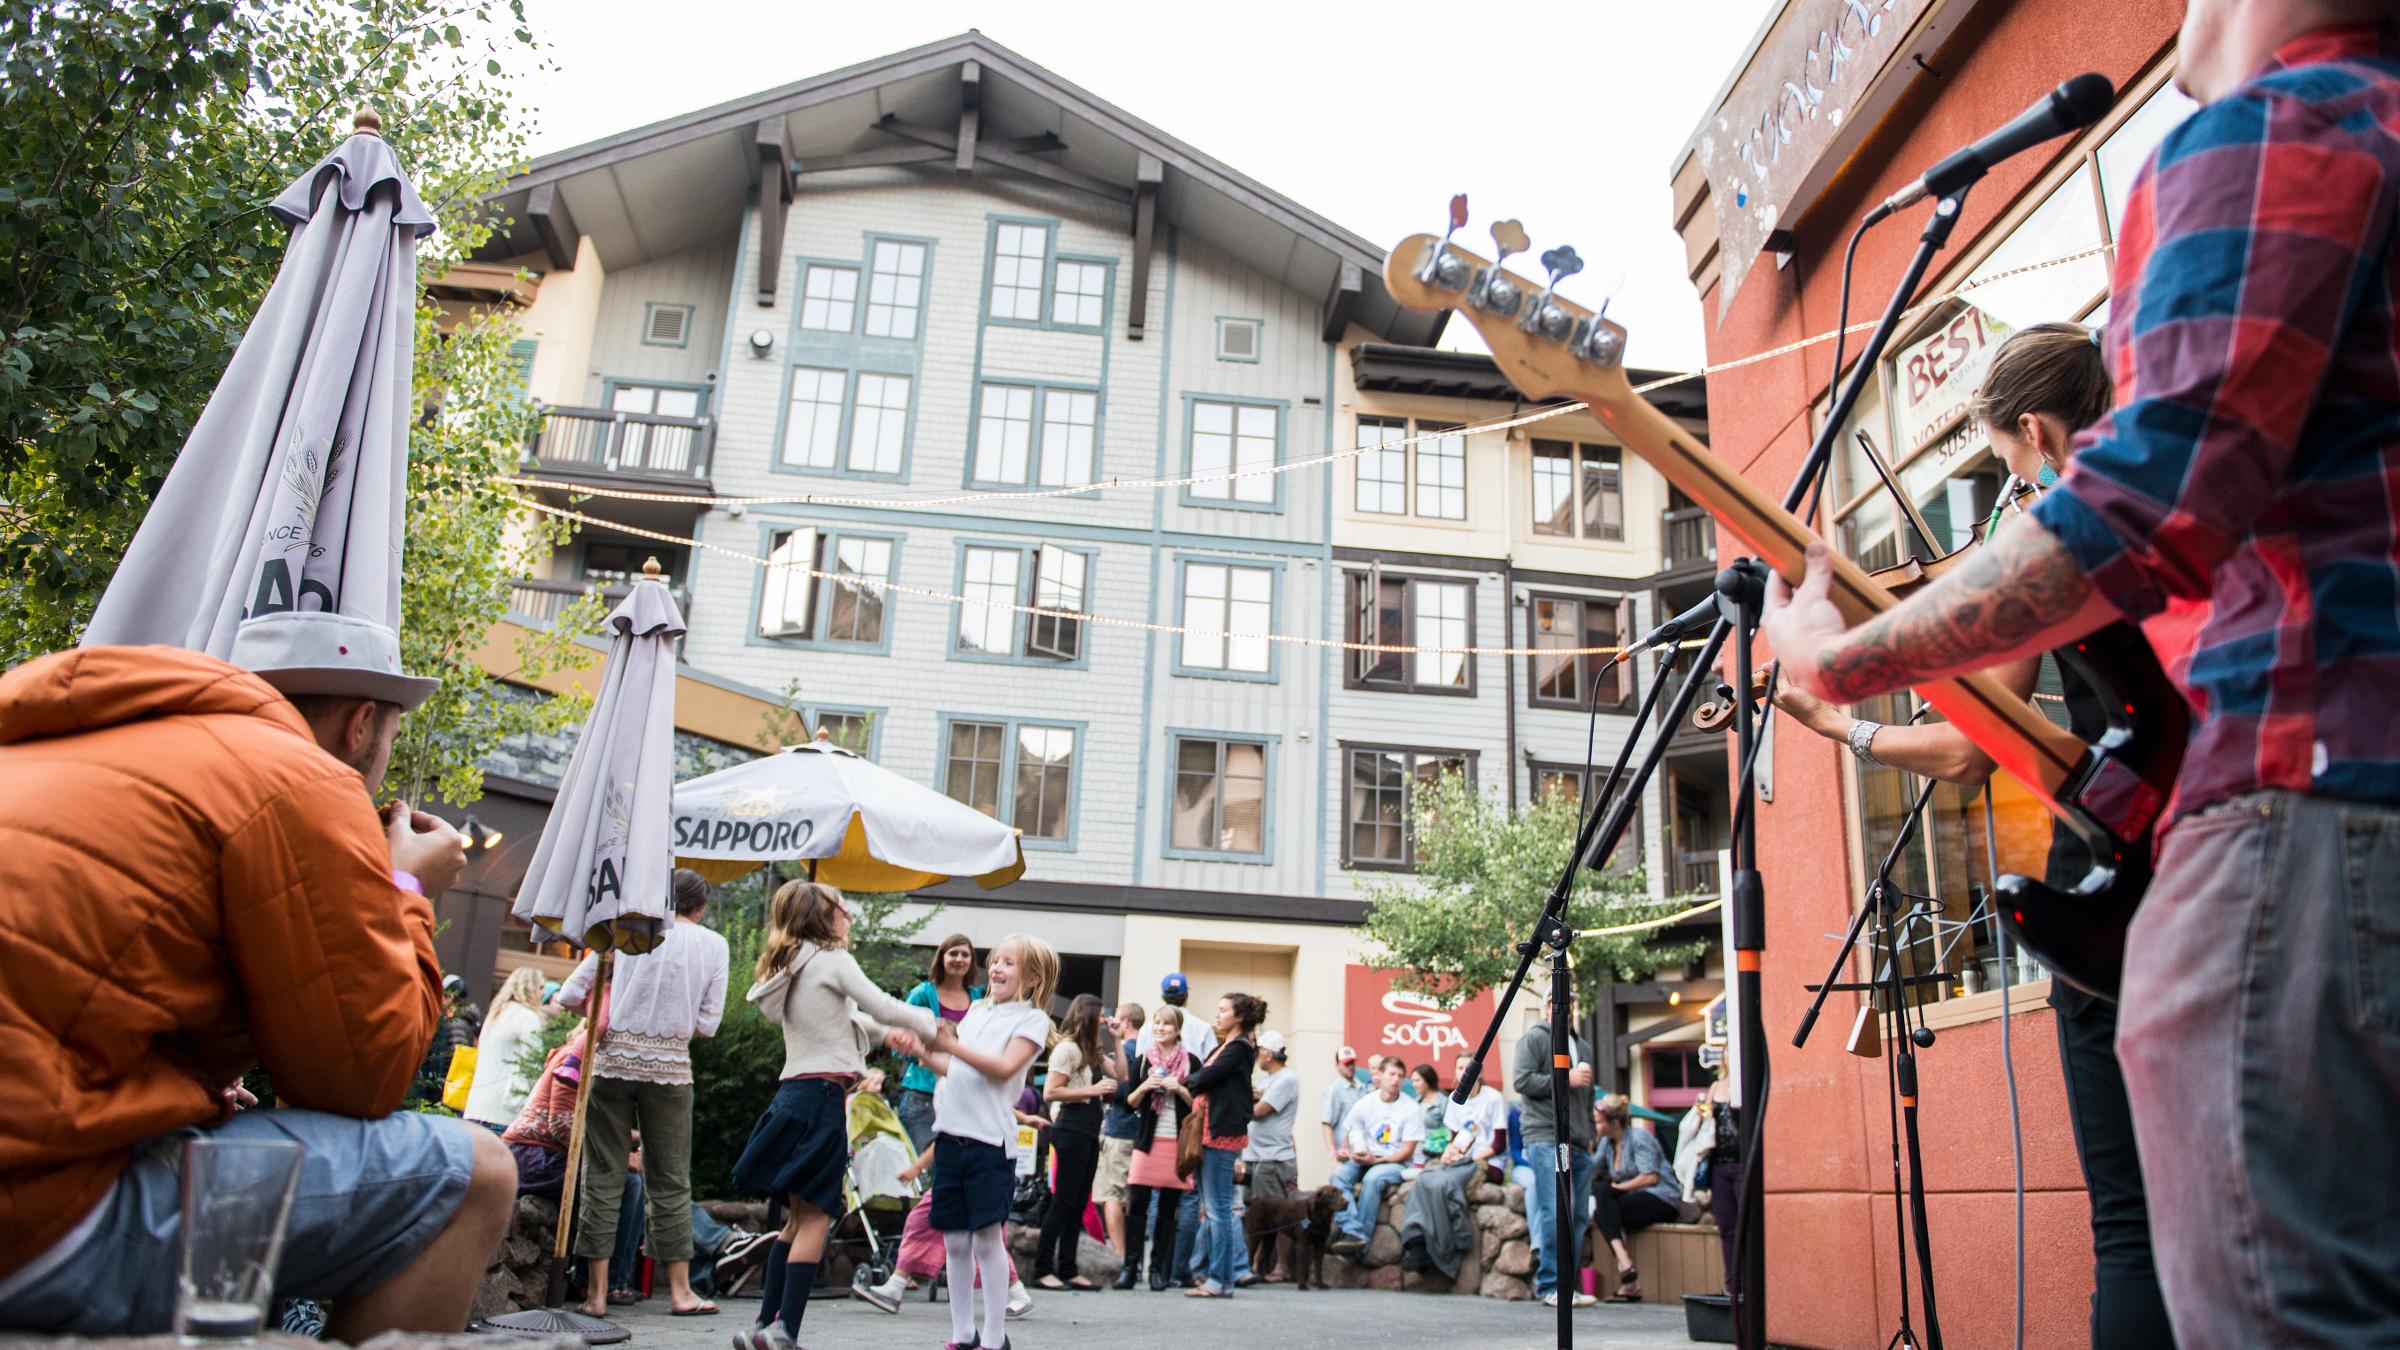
(237, 1196)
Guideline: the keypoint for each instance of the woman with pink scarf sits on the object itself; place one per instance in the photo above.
(1154, 1089)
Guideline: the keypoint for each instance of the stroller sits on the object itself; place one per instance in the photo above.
(875, 1205)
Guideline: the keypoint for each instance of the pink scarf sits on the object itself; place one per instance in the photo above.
(1178, 1065)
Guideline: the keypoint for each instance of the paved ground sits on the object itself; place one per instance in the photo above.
(1268, 1319)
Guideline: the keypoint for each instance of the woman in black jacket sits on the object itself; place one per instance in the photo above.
(1154, 1090)
(1225, 1081)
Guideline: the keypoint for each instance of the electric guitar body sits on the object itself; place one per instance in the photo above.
(2109, 791)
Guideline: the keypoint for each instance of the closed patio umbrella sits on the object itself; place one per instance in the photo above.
(288, 494)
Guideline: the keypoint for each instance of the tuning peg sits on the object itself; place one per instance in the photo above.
(1561, 262)
(1541, 317)
(1458, 215)
(1509, 237)
(1441, 267)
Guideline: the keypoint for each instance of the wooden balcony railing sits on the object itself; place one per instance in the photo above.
(1694, 873)
(624, 442)
(543, 601)
(1690, 536)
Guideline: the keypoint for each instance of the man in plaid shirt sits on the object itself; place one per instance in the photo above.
(2243, 501)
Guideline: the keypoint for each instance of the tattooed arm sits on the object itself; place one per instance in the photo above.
(2018, 595)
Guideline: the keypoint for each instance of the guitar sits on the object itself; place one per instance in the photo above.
(2110, 792)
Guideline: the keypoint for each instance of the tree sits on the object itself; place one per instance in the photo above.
(1483, 874)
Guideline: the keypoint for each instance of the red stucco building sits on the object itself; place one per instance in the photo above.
(1838, 104)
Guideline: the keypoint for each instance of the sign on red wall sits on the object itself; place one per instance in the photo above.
(1378, 1019)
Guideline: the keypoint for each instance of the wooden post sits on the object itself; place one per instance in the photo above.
(583, 1102)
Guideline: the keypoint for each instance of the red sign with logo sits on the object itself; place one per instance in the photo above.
(1379, 1019)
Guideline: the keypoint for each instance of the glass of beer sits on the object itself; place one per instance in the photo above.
(237, 1197)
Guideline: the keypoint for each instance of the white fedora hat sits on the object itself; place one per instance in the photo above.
(313, 652)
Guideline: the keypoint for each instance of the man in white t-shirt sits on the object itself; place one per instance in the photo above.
(1380, 1135)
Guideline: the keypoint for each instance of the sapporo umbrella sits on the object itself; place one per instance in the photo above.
(600, 875)
(858, 825)
(288, 493)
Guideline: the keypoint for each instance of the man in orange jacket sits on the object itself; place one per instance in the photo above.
(194, 880)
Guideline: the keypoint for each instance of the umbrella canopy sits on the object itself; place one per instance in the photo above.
(287, 496)
(600, 874)
(865, 827)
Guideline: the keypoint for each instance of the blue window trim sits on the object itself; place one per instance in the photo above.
(858, 303)
(1008, 769)
(1033, 455)
(1274, 671)
(1283, 418)
(864, 365)
(1015, 656)
(866, 274)
(991, 258)
(652, 307)
(1265, 857)
(821, 603)
(1108, 291)
(875, 716)
(854, 354)
(1257, 352)
(610, 384)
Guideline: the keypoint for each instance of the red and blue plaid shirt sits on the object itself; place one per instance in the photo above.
(2244, 498)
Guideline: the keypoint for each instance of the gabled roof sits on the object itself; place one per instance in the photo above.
(678, 183)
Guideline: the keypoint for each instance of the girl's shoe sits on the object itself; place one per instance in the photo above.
(1020, 1303)
(885, 1296)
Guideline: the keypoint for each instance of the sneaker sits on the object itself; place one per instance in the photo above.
(1584, 1300)
(1020, 1302)
(885, 1296)
(1346, 1244)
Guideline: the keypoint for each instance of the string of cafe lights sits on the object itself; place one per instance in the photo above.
(1021, 495)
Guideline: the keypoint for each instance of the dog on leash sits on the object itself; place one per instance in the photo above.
(1291, 1232)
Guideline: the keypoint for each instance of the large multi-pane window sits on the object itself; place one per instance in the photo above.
(1233, 438)
(1569, 782)
(1228, 610)
(989, 582)
(1020, 255)
(1441, 473)
(877, 405)
(854, 613)
(853, 731)
(1019, 773)
(1048, 577)
(855, 603)
(879, 423)
(812, 426)
(828, 298)
(1035, 436)
(1220, 795)
(1003, 433)
(1388, 610)
(1070, 420)
(1561, 625)
(976, 761)
(1079, 295)
(1382, 471)
(895, 289)
(1380, 805)
(1045, 781)
(1578, 490)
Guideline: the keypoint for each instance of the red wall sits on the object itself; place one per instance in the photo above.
(1830, 1221)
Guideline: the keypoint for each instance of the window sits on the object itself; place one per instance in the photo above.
(853, 731)
(879, 424)
(1238, 339)
(654, 399)
(1382, 473)
(985, 623)
(1577, 491)
(855, 612)
(520, 359)
(828, 298)
(1227, 613)
(1069, 419)
(1568, 780)
(787, 602)
(1045, 780)
(1079, 295)
(621, 564)
(1561, 624)
(666, 325)
(1003, 433)
(1020, 254)
(972, 774)
(1220, 796)
(1058, 583)
(895, 289)
(1403, 611)
(1379, 810)
(812, 426)
(1441, 473)
(1234, 437)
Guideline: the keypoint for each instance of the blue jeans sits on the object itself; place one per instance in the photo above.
(1241, 1245)
(1190, 1256)
(916, 1117)
(1541, 1208)
(1224, 1235)
(1366, 1186)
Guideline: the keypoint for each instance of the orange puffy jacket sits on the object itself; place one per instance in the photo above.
(188, 886)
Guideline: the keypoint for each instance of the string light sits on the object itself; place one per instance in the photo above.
(1647, 924)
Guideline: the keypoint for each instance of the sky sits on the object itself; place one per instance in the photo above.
(1569, 120)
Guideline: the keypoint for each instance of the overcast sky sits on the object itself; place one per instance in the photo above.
(1569, 120)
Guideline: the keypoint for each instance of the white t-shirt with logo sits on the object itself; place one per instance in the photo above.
(1379, 1128)
(971, 1105)
(1476, 1120)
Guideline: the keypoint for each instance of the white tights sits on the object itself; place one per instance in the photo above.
(987, 1247)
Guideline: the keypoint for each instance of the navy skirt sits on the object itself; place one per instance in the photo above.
(800, 1147)
(973, 1183)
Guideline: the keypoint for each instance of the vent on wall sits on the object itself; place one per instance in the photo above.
(1237, 339)
(667, 326)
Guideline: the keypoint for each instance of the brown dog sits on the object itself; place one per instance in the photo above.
(1292, 1232)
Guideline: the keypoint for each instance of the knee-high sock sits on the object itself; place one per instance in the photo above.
(798, 1282)
(958, 1253)
(770, 1294)
(991, 1252)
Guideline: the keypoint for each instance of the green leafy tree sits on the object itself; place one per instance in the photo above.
(1483, 874)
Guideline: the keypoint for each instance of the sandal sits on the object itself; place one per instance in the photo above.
(623, 1298)
(1051, 1283)
(1629, 1286)
(1081, 1285)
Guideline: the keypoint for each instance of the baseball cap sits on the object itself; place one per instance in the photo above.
(1272, 1043)
(1345, 1055)
(1175, 988)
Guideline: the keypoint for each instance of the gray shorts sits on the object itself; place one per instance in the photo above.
(373, 1194)
(1276, 1178)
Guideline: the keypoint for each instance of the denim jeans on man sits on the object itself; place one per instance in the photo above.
(1541, 1208)
(2260, 1034)
(1224, 1233)
(1365, 1186)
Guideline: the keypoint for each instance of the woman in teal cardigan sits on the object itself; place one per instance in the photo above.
(946, 991)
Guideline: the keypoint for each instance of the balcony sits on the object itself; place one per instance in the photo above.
(1693, 873)
(1689, 535)
(598, 440)
(543, 601)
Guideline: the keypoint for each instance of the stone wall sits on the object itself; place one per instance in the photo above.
(1498, 1265)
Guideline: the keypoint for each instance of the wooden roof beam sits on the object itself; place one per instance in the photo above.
(1342, 303)
(970, 113)
(554, 224)
(771, 158)
(1148, 174)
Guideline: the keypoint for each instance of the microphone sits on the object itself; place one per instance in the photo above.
(2072, 106)
(1698, 616)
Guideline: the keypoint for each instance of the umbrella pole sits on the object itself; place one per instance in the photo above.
(583, 1102)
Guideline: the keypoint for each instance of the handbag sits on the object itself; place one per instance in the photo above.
(1189, 1143)
(461, 1079)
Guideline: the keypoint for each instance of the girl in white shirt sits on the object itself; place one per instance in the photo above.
(975, 1127)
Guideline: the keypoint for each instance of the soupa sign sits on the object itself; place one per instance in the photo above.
(1381, 1019)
